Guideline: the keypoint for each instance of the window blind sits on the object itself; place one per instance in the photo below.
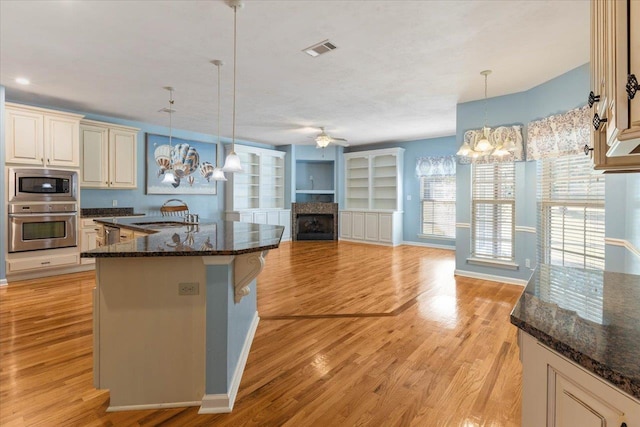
(438, 196)
(493, 211)
(570, 212)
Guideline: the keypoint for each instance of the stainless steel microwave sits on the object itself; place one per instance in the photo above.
(42, 185)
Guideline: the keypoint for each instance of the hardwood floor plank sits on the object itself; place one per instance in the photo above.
(350, 335)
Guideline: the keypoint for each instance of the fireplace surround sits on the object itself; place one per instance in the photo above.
(314, 221)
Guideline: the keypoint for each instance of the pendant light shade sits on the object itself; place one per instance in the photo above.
(464, 150)
(232, 162)
(484, 145)
(218, 173)
(169, 177)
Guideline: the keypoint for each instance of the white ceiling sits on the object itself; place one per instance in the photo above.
(399, 70)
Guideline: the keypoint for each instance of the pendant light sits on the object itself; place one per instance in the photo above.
(484, 145)
(218, 173)
(232, 162)
(169, 177)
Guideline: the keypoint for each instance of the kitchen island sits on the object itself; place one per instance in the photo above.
(580, 348)
(175, 311)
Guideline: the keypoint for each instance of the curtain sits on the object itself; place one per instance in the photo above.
(559, 135)
(436, 166)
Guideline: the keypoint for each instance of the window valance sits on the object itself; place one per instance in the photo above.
(436, 166)
(559, 135)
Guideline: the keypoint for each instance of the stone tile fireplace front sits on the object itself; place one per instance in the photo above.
(314, 221)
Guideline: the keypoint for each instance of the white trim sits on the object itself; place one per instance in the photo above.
(526, 229)
(3, 282)
(433, 237)
(490, 277)
(366, 242)
(624, 243)
(508, 265)
(429, 245)
(463, 225)
(223, 403)
(151, 406)
(218, 260)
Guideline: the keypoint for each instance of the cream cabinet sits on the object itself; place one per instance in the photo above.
(371, 227)
(615, 70)
(558, 393)
(109, 155)
(271, 217)
(89, 237)
(38, 263)
(41, 137)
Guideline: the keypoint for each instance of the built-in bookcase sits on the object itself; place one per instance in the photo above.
(257, 193)
(373, 196)
(373, 179)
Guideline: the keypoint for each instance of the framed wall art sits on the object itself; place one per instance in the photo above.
(190, 162)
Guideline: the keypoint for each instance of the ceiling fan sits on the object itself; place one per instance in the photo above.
(323, 139)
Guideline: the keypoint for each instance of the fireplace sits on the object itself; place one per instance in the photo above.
(314, 221)
(315, 227)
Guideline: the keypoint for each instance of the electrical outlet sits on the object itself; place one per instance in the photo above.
(188, 288)
(114, 203)
(310, 177)
(527, 263)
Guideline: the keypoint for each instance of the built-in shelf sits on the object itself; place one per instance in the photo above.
(315, 192)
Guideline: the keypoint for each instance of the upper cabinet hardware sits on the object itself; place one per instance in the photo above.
(632, 86)
(593, 98)
(597, 121)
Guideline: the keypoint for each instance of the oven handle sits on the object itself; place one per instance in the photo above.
(31, 215)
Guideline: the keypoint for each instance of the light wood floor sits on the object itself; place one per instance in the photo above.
(350, 335)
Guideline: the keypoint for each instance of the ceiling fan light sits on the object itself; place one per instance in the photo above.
(218, 175)
(232, 163)
(323, 141)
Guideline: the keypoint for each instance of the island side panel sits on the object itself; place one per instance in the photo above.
(219, 286)
(243, 321)
(151, 339)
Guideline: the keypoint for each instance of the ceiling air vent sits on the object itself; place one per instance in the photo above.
(320, 48)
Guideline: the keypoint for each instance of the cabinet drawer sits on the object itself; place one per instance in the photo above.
(37, 263)
(126, 234)
(88, 223)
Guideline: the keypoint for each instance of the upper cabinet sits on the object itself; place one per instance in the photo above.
(261, 184)
(41, 137)
(615, 71)
(373, 180)
(108, 154)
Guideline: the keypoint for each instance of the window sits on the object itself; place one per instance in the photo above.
(438, 197)
(493, 211)
(570, 212)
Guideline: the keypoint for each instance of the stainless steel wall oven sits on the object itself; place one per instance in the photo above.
(42, 211)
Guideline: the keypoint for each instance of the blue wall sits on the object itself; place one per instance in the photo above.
(558, 95)
(3, 207)
(411, 223)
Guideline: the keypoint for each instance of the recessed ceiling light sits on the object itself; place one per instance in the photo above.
(22, 81)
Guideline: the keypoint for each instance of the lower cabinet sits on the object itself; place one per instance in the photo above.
(558, 393)
(89, 232)
(371, 226)
(271, 217)
(50, 258)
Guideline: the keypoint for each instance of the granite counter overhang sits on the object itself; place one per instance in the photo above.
(590, 317)
(206, 238)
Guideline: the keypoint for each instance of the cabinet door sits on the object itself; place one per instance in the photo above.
(574, 406)
(260, 217)
(371, 226)
(385, 231)
(24, 138)
(61, 141)
(345, 225)
(94, 157)
(357, 225)
(285, 221)
(122, 158)
(634, 61)
(88, 241)
(246, 217)
(273, 217)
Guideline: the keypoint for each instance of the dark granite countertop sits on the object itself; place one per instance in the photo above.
(107, 212)
(589, 316)
(170, 236)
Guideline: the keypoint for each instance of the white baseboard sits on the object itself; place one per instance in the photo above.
(429, 245)
(366, 242)
(3, 282)
(223, 403)
(152, 406)
(490, 277)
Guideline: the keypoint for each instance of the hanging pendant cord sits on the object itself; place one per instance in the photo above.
(235, 42)
(218, 113)
(485, 100)
(170, 114)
